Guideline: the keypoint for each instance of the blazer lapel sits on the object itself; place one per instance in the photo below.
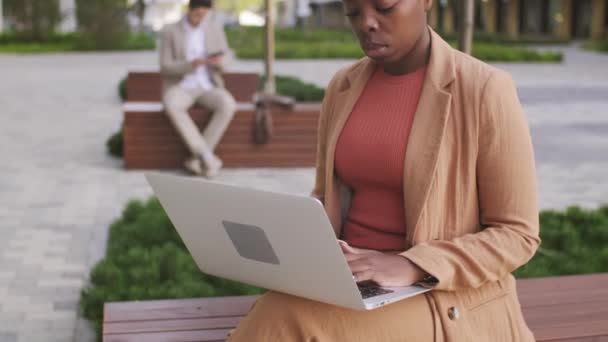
(179, 36)
(345, 101)
(427, 133)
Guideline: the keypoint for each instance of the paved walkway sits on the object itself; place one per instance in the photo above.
(59, 190)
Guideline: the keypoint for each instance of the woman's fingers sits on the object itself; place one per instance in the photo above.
(363, 276)
(348, 249)
(352, 257)
(359, 265)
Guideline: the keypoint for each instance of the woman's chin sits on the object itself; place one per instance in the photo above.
(377, 54)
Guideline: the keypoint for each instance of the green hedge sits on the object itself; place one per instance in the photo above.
(301, 91)
(13, 43)
(598, 45)
(146, 258)
(340, 43)
(575, 241)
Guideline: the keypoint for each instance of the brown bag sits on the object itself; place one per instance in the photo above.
(262, 122)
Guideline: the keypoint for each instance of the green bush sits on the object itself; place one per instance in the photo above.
(145, 260)
(575, 241)
(122, 89)
(114, 144)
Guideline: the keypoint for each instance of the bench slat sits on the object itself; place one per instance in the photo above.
(187, 308)
(146, 86)
(215, 335)
(165, 325)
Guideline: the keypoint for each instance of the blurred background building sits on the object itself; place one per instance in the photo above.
(551, 20)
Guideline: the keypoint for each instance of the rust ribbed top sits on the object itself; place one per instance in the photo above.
(370, 158)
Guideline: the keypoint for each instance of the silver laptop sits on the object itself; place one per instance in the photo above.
(275, 241)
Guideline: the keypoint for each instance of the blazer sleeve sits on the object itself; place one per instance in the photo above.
(221, 42)
(322, 132)
(506, 185)
(169, 65)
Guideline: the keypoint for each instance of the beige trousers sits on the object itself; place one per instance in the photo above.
(177, 101)
(277, 317)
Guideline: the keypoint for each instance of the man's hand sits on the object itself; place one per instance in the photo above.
(200, 61)
(214, 60)
(384, 269)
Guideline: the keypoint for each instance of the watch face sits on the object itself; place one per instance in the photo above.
(430, 280)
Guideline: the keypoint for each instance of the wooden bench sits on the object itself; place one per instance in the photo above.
(565, 309)
(151, 142)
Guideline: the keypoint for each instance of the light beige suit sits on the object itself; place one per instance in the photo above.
(471, 212)
(177, 101)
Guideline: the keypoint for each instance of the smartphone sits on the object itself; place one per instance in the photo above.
(215, 54)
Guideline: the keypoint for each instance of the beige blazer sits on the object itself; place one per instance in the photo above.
(469, 189)
(173, 63)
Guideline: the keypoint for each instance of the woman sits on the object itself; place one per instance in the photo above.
(426, 170)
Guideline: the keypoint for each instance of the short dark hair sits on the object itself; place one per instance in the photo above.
(200, 3)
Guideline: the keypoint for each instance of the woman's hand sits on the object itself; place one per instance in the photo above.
(389, 270)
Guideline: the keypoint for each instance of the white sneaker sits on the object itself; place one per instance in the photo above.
(194, 166)
(213, 167)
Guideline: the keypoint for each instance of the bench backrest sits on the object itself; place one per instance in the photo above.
(146, 86)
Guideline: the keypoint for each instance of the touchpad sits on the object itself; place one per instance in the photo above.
(251, 242)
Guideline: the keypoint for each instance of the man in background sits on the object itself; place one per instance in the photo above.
(191, 53)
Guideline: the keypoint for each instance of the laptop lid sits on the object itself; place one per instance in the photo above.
(277, 241)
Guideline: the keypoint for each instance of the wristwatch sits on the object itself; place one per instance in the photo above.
(429, 281)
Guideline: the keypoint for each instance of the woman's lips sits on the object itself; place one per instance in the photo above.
(373, 48)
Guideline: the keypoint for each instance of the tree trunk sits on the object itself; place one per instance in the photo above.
(270, 86)
(1, 18)
(466, 26)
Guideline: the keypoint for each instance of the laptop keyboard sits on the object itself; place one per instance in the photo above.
(371, 290)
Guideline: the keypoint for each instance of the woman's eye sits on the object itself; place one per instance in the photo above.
(385, 9)
(352, 13)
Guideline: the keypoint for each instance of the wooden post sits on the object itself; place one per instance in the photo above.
(433, 16)
(1, 18)
(448, 18)
(67, 10)
(513, 19)
(563, 20)
(489, 13)
(270, 86)
(598, 19)
(466, 27)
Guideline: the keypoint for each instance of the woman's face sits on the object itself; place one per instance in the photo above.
(387, 29)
